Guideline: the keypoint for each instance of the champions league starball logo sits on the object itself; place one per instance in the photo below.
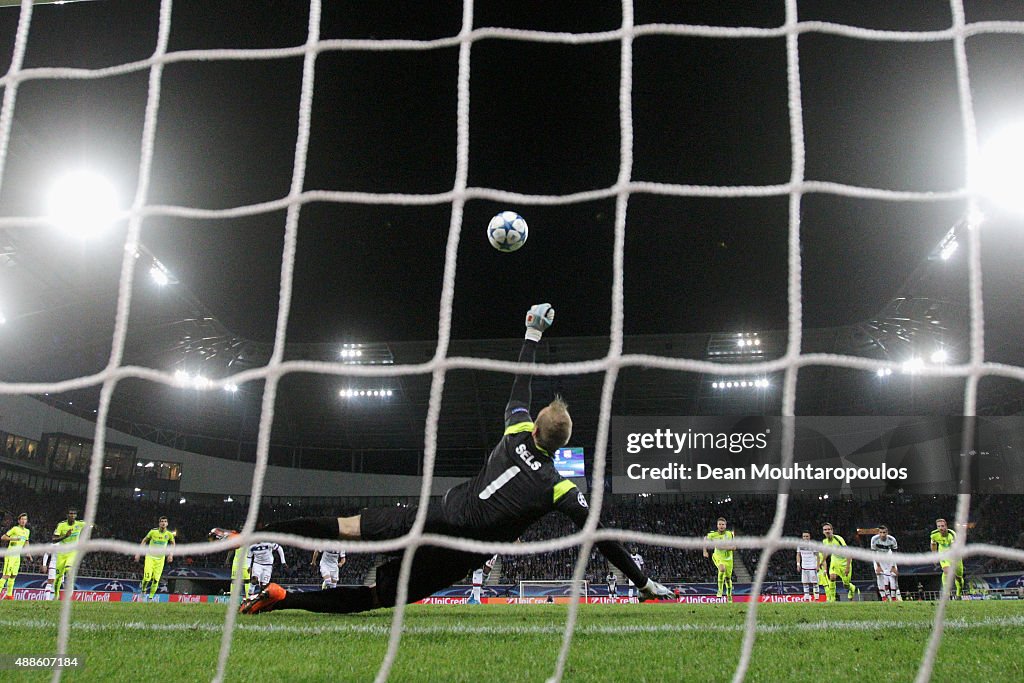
(115, 586)
(184, 572)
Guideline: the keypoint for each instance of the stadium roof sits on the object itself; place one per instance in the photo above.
(544, 121)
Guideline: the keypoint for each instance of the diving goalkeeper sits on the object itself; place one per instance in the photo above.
(517, 486)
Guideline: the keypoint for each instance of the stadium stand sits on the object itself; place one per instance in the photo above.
(997, 519)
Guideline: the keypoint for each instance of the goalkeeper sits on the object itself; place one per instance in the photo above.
(516, 487)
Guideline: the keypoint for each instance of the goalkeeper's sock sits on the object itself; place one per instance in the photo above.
(721, 584)
(313, 527)
(341, 600)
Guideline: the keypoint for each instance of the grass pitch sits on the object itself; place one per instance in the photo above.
(632, 643)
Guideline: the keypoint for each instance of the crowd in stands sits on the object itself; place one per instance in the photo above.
(996, 519)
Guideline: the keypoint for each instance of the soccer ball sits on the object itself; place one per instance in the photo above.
(507, 231)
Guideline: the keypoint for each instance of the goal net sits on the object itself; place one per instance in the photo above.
(546, 591)
(625, 190)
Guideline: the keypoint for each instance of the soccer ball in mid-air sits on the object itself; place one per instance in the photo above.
(507, 231)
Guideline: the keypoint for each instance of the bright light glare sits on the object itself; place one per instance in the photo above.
(1001, 171)
(159, 276)
(948, 250)
(83, 204)
(939, 357)
(913, 366)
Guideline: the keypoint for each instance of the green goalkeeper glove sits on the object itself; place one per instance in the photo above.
(538, 319)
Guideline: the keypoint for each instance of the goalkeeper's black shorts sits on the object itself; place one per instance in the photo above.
(433, 568)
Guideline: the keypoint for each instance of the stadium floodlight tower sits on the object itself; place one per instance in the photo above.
(365, 354)
(82, 204)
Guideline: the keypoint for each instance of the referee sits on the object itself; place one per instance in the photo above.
(517, 486)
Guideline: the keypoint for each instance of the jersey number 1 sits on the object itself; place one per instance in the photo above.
(504, 478)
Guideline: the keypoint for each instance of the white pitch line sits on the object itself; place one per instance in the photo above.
(383, 629)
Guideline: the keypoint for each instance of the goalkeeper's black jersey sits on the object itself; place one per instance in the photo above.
(516, 487)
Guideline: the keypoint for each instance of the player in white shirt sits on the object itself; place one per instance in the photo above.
(612, 581)
(331, 562)
(50, 566)
(639, 560)
(261, 564)
(808, 561)
(478, 580)
(886, 572)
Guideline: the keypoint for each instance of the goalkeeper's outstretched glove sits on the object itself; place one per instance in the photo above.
(538, 319)
(653, 590)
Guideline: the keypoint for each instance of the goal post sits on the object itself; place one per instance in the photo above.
(558, 588)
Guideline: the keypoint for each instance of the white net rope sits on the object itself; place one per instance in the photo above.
(790, 363)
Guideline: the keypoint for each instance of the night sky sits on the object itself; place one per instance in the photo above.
(544, 121)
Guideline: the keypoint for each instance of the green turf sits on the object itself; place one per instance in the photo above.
(634, 643)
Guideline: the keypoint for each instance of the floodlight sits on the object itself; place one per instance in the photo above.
(83, 204)
(939, 357)
(948, 250)
(1000, 174)
(159, 276)
(231, 388)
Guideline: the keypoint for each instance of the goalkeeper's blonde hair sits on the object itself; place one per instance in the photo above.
(553, 425)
